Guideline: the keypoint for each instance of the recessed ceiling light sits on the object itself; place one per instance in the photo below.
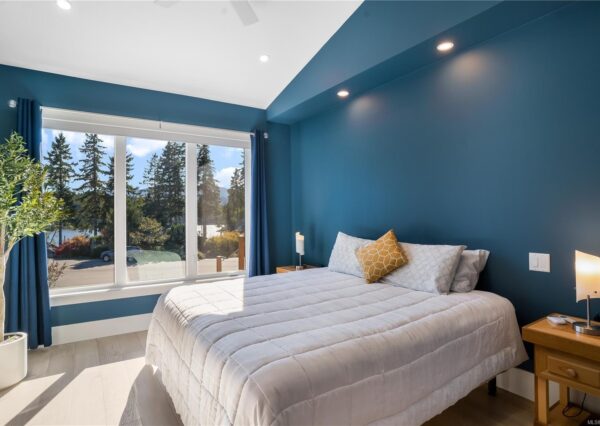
(264, 58)
(63, 4)
(445, 46)
(343, 93)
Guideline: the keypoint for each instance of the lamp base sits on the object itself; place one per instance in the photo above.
(583, 328)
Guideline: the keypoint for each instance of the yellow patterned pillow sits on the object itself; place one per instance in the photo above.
(381, 257)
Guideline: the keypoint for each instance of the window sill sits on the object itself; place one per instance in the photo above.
(80, 295)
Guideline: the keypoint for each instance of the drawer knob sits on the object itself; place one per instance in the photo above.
(571, 373)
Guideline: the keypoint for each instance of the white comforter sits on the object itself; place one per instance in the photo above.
(319, 347)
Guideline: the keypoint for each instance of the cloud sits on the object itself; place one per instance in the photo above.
(108, 141)
(229, 152)
(142, 147)
(224, 176)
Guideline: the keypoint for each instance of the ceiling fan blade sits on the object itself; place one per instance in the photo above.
(245, 12)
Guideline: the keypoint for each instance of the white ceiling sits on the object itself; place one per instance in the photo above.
(193, 48)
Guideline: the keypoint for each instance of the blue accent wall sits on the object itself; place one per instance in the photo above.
(376, 31)
(496, 147)
(85, 95)
(278, 151)
(385, 39)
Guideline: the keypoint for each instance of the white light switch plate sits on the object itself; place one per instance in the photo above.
(539, 262)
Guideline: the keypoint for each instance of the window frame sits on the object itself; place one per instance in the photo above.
(122, 128)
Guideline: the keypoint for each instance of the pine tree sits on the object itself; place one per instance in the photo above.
(60, 171)
(150, 193)
(235, 207)
(93, 188)
(169, 185)
(209, 194)
(150, 172)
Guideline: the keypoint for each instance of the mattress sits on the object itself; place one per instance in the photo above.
(319, 347)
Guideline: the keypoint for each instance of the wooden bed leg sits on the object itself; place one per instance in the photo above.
(492, 387)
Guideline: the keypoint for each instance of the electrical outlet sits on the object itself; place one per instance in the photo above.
(539, 262)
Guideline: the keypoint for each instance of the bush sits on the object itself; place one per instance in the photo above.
(55, 271)
(176, 241)
(78, 246)
(149, 234)
(226, 245)
(98, 240)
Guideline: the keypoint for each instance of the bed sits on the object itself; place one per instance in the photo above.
(320, 347)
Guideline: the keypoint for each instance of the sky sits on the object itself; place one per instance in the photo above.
(225, 159)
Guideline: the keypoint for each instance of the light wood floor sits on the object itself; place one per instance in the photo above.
(105, 381)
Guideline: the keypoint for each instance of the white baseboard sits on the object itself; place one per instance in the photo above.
(521, 382)
(102, 328)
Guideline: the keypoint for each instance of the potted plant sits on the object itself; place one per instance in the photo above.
(25, 210)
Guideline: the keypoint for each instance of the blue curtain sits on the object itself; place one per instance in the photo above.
(259, 235)
(26, 285)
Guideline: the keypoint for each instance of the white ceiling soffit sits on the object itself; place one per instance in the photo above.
(205, 49)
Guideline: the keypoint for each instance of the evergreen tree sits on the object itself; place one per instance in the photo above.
(60, 171)
(236, 194)
(151, 196)
(93, 187)
(150, 172)
(169, 185)
(209, 194)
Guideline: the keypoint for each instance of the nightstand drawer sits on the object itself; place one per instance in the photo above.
(575, 370)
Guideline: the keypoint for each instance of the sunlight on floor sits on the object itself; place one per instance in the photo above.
(18, 398)
(101, 381)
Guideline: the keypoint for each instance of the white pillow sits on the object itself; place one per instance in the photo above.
(343, 256)
(470, 266)
(430, 268)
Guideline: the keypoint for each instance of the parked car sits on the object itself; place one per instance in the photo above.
(109, 255)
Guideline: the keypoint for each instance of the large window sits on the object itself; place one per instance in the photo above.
(144, 201)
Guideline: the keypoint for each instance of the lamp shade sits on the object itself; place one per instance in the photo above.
(587, 273)
(299, 243)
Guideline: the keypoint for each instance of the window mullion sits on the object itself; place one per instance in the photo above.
(120, 212)
(191, 211)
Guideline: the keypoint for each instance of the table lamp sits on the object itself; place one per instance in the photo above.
(587, 272)
(299, 248)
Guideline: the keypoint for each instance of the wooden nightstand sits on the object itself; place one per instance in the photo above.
(563, 356)
(291, 268)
